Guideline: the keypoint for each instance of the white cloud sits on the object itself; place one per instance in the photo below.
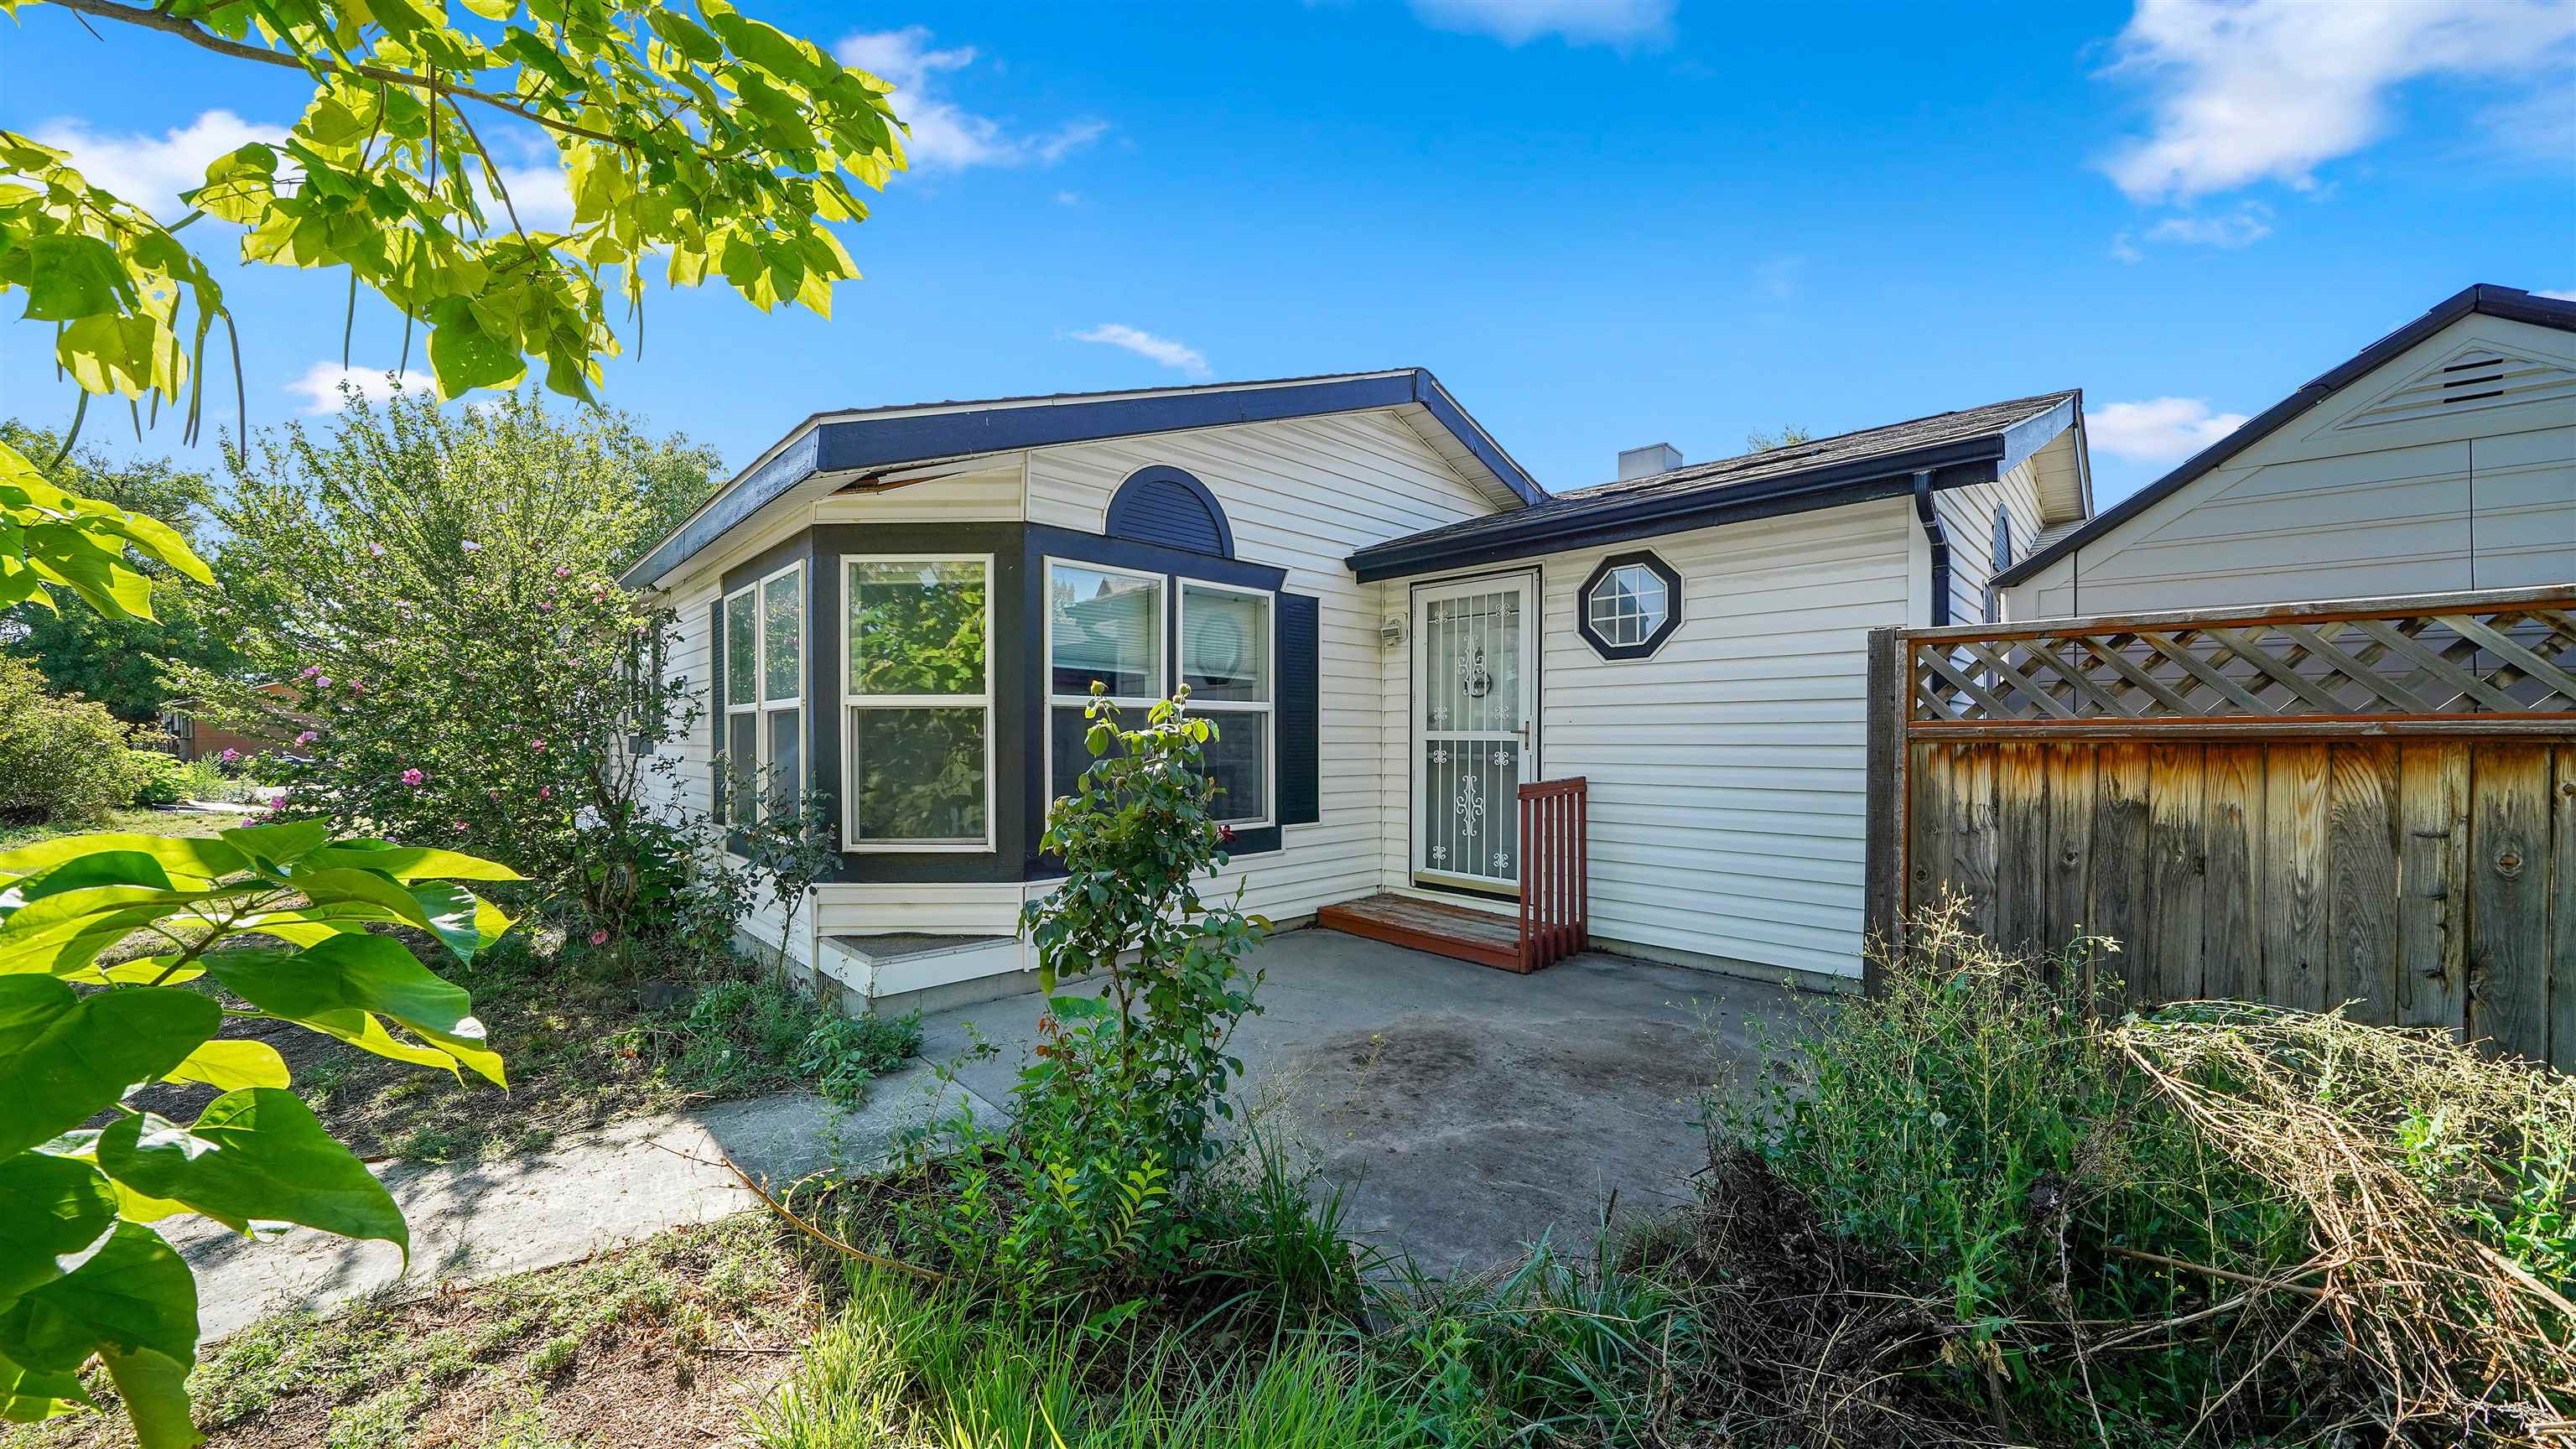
(946, 136)
(320, 385)
(1175, 355)
(151, 171)
(2158, 430)
(2565, 295)
(1578, 22)
(2125, 251)
(2253, 90)
(1068, 198)
(2227, 230)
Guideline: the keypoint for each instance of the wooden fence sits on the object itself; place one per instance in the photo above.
(1556, 876)
(2370, 801)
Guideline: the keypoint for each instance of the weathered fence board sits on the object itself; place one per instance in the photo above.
(2369, 803)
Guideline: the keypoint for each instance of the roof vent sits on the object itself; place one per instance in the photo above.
(1646, 461)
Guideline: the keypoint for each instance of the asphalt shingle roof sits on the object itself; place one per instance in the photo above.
(1715, 478)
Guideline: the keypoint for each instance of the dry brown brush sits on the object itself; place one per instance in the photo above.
(2435, 1182)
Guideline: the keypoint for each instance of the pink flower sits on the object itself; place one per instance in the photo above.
(276, 803)
(545, 792)
(309, 671)
(495, 794)
(538, 745)
(413, 776)
(308, 737)
(322, 680)
(563, 571)
(460, 827)
(229, 755)
(542, 604)
(599, 938)
(356, 688)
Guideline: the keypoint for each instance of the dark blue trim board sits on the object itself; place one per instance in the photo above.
(863, 442)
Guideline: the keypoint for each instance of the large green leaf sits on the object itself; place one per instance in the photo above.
(31, 1396)
(407, 862)
(53, 1212)
(154, 1388)
(186, 860)
(277, 846)
(65, 1055)
(134, 1293)
(336, 979)
(225, 1065)
(256, 1154)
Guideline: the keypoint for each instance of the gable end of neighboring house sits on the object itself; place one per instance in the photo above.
(2441, 458)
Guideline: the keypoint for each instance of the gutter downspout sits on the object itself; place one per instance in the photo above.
(1940, 542)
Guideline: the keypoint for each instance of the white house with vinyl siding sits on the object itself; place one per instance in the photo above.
(2440, 458)
(1391, 622)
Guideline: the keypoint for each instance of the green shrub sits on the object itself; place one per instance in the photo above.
(63, 759)
(842, 1054)
(157, 778)
(751, 1032)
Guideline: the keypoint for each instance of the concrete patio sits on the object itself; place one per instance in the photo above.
(1464, 1110)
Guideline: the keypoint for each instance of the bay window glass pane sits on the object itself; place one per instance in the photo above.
(782, 626)
(742, 767)
(917, 774)
(916, 628)
(1105, 627)
(1066, 735)
(785, 782)
(1225, 644)
(1237, 760)
(741, 650)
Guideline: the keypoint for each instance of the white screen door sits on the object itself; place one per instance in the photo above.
(1475, 699)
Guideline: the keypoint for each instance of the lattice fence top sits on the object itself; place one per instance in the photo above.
(2443, 663)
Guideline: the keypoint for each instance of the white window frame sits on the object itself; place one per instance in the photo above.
(761, 707)
(1269, 682)
(1163, 650)
(1645, 628)
(851, 844)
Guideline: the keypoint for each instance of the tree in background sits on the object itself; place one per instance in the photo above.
(120, 662)
(438, 590)
(715, 141)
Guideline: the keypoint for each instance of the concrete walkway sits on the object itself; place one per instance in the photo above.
(599, 1190)
(1461, 1111)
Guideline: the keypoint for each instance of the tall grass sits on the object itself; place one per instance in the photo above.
(909, 1366)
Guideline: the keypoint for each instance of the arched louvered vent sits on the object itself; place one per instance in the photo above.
(1166, 506)
(2478, 377)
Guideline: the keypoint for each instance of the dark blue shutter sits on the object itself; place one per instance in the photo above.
(1300, 712)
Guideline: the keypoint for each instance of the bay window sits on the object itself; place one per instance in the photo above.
(918, 696)
(764, 696)
(1113, 625)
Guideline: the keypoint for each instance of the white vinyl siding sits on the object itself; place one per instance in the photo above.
(2374, 491)
(1728, 772)
(1968, 520)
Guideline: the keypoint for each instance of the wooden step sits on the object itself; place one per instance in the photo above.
(1458, 932)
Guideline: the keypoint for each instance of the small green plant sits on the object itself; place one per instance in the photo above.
(63, 759)
(842, 1054)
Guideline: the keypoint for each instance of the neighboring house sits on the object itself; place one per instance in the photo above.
(192, 738)
(1391, 622)
(2440, 458)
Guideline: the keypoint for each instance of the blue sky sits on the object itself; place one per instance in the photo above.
(1603, 223)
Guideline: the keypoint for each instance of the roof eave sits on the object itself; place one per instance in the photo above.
(1954, 464)
(829, 443)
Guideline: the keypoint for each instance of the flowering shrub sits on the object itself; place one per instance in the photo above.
(439, 593)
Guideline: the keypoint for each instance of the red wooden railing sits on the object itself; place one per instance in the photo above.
(1556, 883)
